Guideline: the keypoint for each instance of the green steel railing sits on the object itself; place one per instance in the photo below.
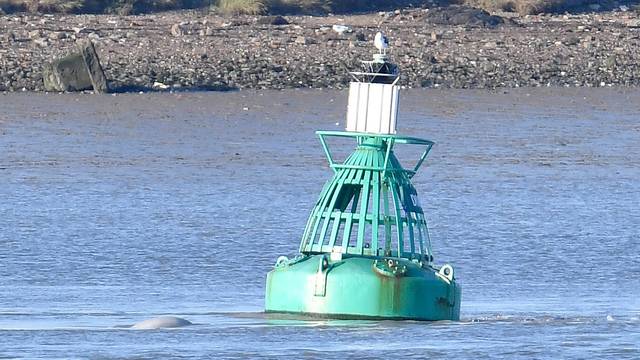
(369, 207)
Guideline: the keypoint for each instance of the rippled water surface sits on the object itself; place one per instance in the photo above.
(115, 209)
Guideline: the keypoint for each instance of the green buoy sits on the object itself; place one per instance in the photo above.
(365, 252)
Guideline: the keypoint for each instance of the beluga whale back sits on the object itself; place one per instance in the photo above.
(161, 322)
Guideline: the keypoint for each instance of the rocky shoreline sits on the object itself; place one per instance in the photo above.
(199, 50)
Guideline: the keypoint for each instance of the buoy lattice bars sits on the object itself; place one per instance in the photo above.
(369, 207)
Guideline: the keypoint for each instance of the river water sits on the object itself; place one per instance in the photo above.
(115, 209)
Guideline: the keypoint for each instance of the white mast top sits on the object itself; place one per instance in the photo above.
(373, 97)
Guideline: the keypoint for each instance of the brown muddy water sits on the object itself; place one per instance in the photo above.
(114, 209)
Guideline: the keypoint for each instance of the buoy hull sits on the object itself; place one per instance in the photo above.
(362, 288)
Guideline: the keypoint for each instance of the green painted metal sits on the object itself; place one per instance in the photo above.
(361, 288)
(371, 179)
(366, 250)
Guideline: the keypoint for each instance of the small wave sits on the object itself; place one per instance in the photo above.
(549, 319)
(66, 313)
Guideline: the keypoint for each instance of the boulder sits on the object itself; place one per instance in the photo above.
(76, 72)
(177, 30)
(462, 15)
(272, 20)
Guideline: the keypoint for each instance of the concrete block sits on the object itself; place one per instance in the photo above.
(76, 72)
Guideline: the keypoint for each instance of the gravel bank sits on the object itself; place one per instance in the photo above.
(196, 50)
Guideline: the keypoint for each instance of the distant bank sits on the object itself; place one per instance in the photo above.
(434, 48)
(300, 7)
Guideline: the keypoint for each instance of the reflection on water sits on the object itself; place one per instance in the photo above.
(118, 209)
